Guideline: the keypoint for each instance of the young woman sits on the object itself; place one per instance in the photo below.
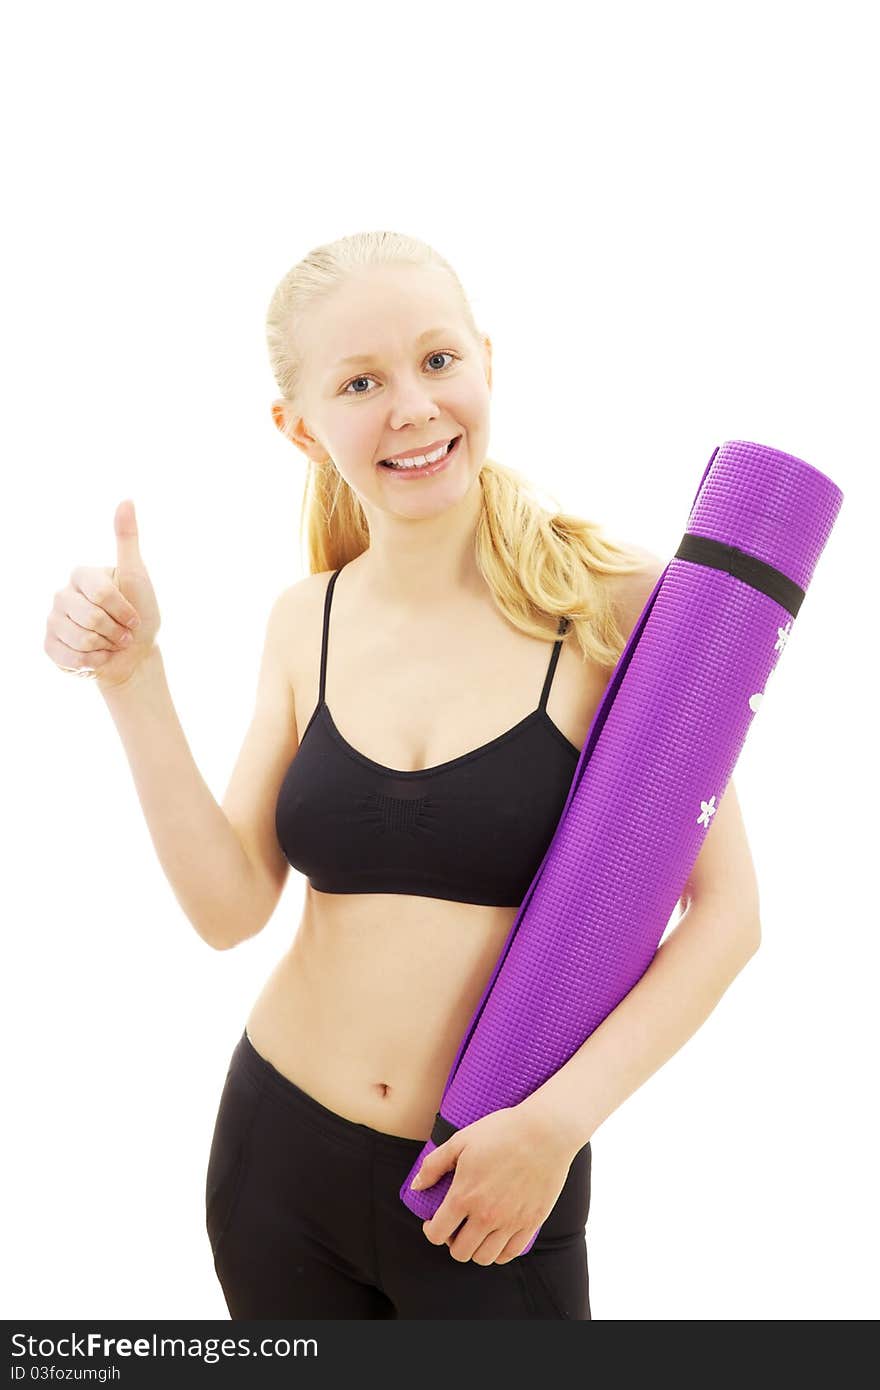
(423, 698)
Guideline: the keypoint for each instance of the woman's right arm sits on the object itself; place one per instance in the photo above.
(224, 863)
(202, 857)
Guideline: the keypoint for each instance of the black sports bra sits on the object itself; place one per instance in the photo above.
(473, 829)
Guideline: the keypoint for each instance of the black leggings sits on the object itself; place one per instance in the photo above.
(305, 1219)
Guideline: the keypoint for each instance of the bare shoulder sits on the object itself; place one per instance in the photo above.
(630, 592)
(299, 602)
(305, 589)
(295, 623)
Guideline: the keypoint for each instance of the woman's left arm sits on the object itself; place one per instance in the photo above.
(717, 933)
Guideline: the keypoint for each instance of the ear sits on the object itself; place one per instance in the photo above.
(294, 429)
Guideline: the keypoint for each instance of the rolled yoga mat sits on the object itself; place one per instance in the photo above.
(653, 769)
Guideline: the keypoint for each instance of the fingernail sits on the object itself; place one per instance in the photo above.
(125, 639)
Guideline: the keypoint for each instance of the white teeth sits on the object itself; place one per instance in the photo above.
(421, 459)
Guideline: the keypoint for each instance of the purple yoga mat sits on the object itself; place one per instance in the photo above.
(653, 769)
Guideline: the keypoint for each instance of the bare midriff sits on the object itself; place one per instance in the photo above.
(367, 1008)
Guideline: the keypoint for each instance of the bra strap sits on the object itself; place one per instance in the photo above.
(328, 597)
(551, 669)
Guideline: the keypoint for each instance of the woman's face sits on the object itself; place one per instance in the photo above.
(420, 379)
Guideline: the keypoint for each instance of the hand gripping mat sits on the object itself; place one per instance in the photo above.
(653, 769)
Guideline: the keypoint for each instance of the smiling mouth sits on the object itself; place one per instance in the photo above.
(404, 467)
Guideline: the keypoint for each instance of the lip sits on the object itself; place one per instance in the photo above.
(411, 474)
(414, 453)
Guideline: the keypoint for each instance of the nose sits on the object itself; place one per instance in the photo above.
(413, 403)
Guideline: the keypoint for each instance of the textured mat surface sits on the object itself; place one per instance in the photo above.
(653, 769)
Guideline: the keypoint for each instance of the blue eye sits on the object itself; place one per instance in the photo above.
(437, 353)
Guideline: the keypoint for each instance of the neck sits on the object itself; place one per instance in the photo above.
(424, 564)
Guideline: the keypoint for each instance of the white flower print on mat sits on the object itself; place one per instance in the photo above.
(782, 636)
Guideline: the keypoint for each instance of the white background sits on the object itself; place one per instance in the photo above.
(664, 217)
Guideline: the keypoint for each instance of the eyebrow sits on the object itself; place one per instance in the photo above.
(370, 357)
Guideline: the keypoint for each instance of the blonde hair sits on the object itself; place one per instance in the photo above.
(540, 565)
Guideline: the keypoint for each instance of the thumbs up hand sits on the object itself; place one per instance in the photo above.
(107, 617)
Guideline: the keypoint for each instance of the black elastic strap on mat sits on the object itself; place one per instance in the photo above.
(701, 550)
(442, 1130)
